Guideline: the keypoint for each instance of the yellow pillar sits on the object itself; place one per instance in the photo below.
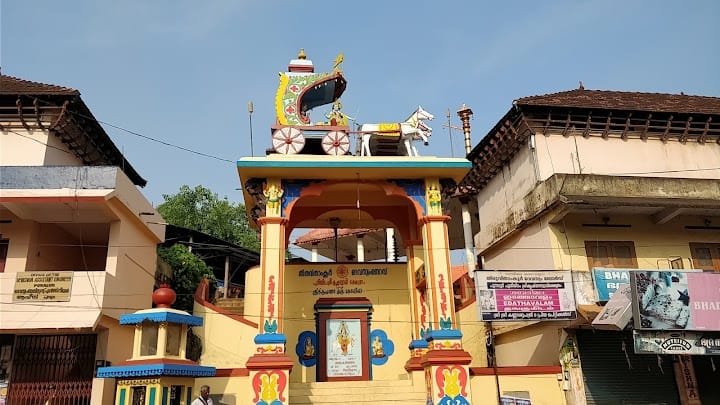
(162, 339)
(437, 260)
(137, 340)
(446, 364)
(270, 367)
(272, 267)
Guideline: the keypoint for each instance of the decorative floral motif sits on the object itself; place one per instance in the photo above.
(270, 349)
(270, 325)
(268, 387)
(443, 295)
(452, 383)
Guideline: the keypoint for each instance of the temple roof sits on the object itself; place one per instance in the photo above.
(622, 100)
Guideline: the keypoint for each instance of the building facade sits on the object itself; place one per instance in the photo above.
(77, 247)
(598, 184)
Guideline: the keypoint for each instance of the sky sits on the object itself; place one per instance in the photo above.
(182, 72)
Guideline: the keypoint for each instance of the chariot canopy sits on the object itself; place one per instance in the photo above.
(301, 90)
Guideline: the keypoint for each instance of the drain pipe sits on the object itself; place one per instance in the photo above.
(490, 349)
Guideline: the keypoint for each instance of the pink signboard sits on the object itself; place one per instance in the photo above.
(525, 295)
(676, 300)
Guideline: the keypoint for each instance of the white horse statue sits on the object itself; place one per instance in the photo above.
(413, 128)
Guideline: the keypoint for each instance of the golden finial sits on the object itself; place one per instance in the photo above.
(302, 55)
(338, 61)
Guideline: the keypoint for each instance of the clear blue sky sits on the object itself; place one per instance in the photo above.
(183, 71)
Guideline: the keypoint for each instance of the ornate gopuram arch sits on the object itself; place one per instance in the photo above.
(283, 193)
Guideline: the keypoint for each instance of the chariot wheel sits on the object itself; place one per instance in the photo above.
(288, 141)
(336, 143)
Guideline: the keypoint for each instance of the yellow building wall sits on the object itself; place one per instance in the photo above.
(115, 341)
(544, 389)
(21, 147)
(227, 343)
(131, 263)
(534, 345)
(654, 244)
(252, 294)
(391, 309)
(232, 390)
(473, 332)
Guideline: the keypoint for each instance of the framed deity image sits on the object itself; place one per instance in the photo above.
(343, 344)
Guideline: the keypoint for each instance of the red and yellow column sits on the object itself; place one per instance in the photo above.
(446, 364)
(419, 315)
(270, 366)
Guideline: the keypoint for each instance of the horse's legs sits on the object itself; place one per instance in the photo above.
(365, 150)
(409, 146)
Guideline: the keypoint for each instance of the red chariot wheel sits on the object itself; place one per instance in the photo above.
(288, 141)
(336, 143)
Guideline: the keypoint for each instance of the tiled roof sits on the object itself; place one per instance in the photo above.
(321, 234)
(458, 271)
(14, 85)
(621, 100)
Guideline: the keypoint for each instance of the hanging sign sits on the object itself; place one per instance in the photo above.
(676, 342)
(617, 312)
(676, 300)
(525, 295)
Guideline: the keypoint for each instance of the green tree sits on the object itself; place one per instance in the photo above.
(188, 271)
(202, 210)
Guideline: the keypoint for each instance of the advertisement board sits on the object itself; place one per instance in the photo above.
(608, 280)
(525, 295)
(676, 342)
(676, 300)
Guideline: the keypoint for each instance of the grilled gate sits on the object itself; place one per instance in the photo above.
(56, 367)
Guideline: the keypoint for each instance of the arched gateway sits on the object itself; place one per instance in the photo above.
(347, 321)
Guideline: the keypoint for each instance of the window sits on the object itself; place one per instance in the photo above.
(706, 256)
(615, 254)
(4, 244)
(172, 344)
(148, 344)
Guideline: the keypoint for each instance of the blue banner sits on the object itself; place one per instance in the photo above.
(607, 281)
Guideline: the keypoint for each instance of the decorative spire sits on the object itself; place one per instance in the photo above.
(465, 113)
(302, 55)
(164, 296)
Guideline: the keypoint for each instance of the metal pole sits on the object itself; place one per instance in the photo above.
(250, 113)
(452, 152)
(336, 249)
(226, 280)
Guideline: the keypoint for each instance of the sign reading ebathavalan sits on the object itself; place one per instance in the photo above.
(42, 286)
(525, 295)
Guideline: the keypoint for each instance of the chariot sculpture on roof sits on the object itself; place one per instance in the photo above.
(301, 90)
